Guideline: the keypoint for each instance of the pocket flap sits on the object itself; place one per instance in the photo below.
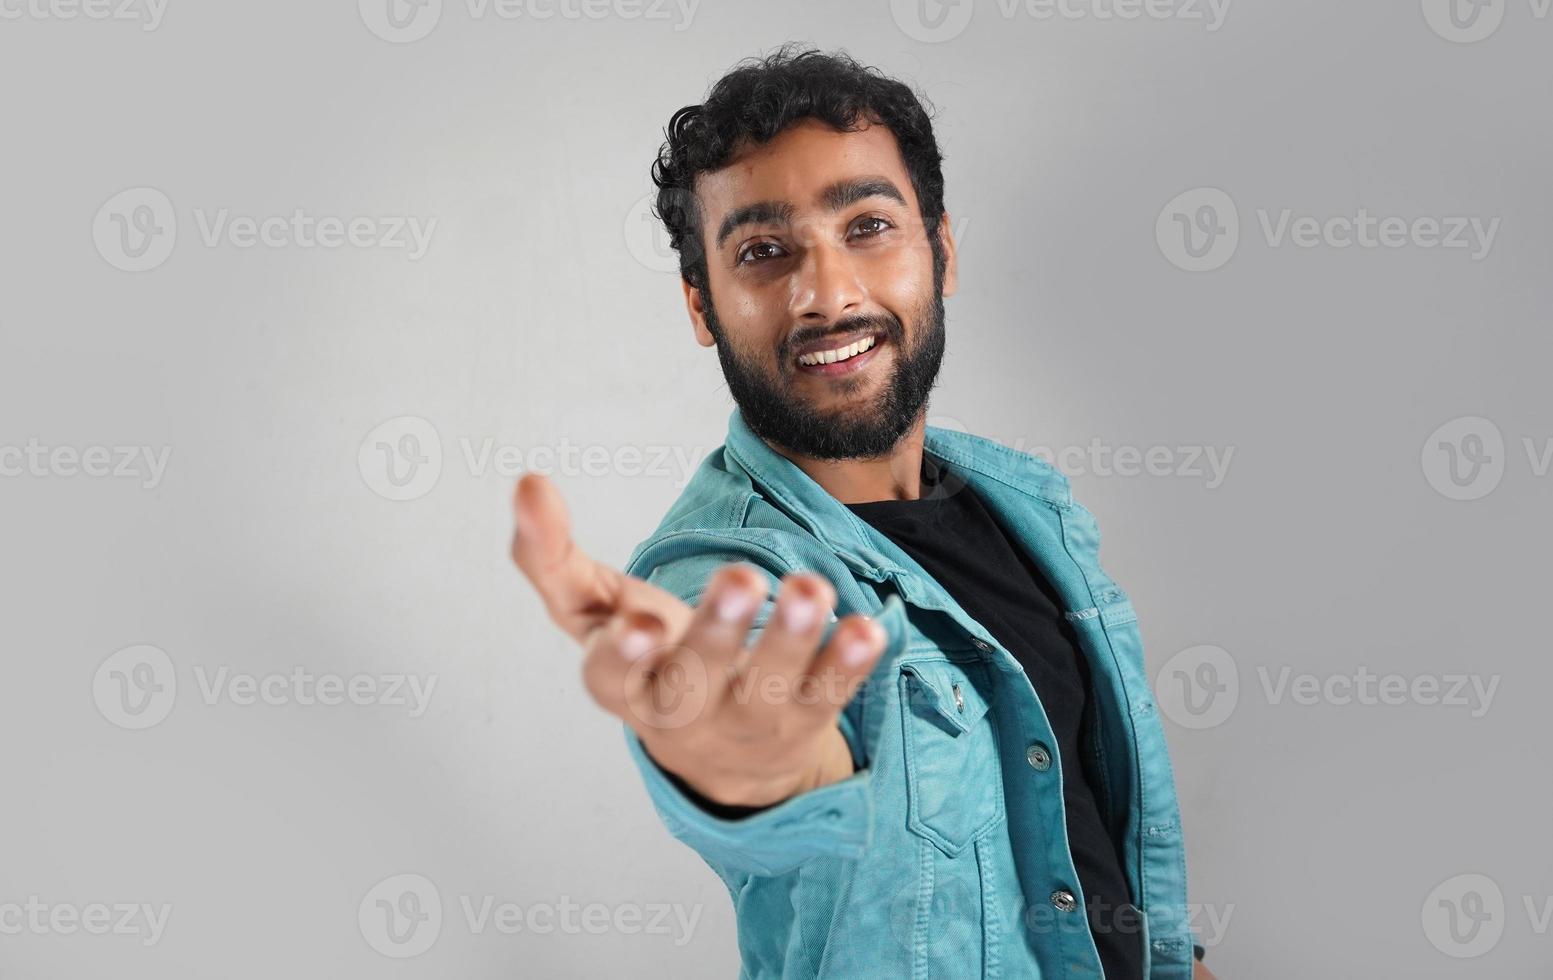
(943, 693)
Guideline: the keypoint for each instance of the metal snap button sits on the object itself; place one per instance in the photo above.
(1038, 756)
(1063, 900)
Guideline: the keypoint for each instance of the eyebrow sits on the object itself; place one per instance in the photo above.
(834, 197)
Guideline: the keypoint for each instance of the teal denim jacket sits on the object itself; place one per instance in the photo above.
(945, 855)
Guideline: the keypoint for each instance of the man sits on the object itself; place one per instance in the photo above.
(934, 753)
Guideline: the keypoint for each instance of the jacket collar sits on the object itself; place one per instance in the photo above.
(990, 468)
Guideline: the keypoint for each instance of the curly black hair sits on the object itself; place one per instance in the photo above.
(757, 100)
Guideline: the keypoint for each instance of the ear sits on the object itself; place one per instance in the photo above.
(697, 311)
(951, 266)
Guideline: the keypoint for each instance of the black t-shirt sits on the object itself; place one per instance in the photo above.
(957, 540)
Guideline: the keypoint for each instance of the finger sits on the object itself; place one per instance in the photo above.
(712, 643)
(578, 592)
(788, 645)
(617, 660)
(841, 667)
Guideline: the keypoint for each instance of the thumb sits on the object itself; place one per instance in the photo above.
(544, 530)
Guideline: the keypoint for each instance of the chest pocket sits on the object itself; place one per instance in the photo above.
(954, 790)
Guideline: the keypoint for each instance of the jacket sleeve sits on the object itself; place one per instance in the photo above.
(833, 820)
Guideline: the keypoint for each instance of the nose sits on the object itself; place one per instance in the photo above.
(826, 286)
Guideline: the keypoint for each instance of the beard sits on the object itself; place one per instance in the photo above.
(863, 431)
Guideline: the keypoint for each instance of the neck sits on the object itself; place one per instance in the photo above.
(897, 475)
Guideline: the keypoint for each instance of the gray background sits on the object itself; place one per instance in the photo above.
(541, 316)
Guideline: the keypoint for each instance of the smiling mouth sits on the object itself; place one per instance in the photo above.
(837, 354)
(842, 356)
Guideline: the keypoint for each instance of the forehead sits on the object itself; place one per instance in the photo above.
(797, 166)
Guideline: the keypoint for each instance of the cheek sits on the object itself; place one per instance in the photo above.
(901, 280)
(747, 316)
(754, 324)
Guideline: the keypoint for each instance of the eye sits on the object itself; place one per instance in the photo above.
(873, 225)
(759, 252)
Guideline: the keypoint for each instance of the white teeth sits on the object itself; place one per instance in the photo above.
(839, 354)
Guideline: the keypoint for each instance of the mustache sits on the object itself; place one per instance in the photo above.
(889, 326)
